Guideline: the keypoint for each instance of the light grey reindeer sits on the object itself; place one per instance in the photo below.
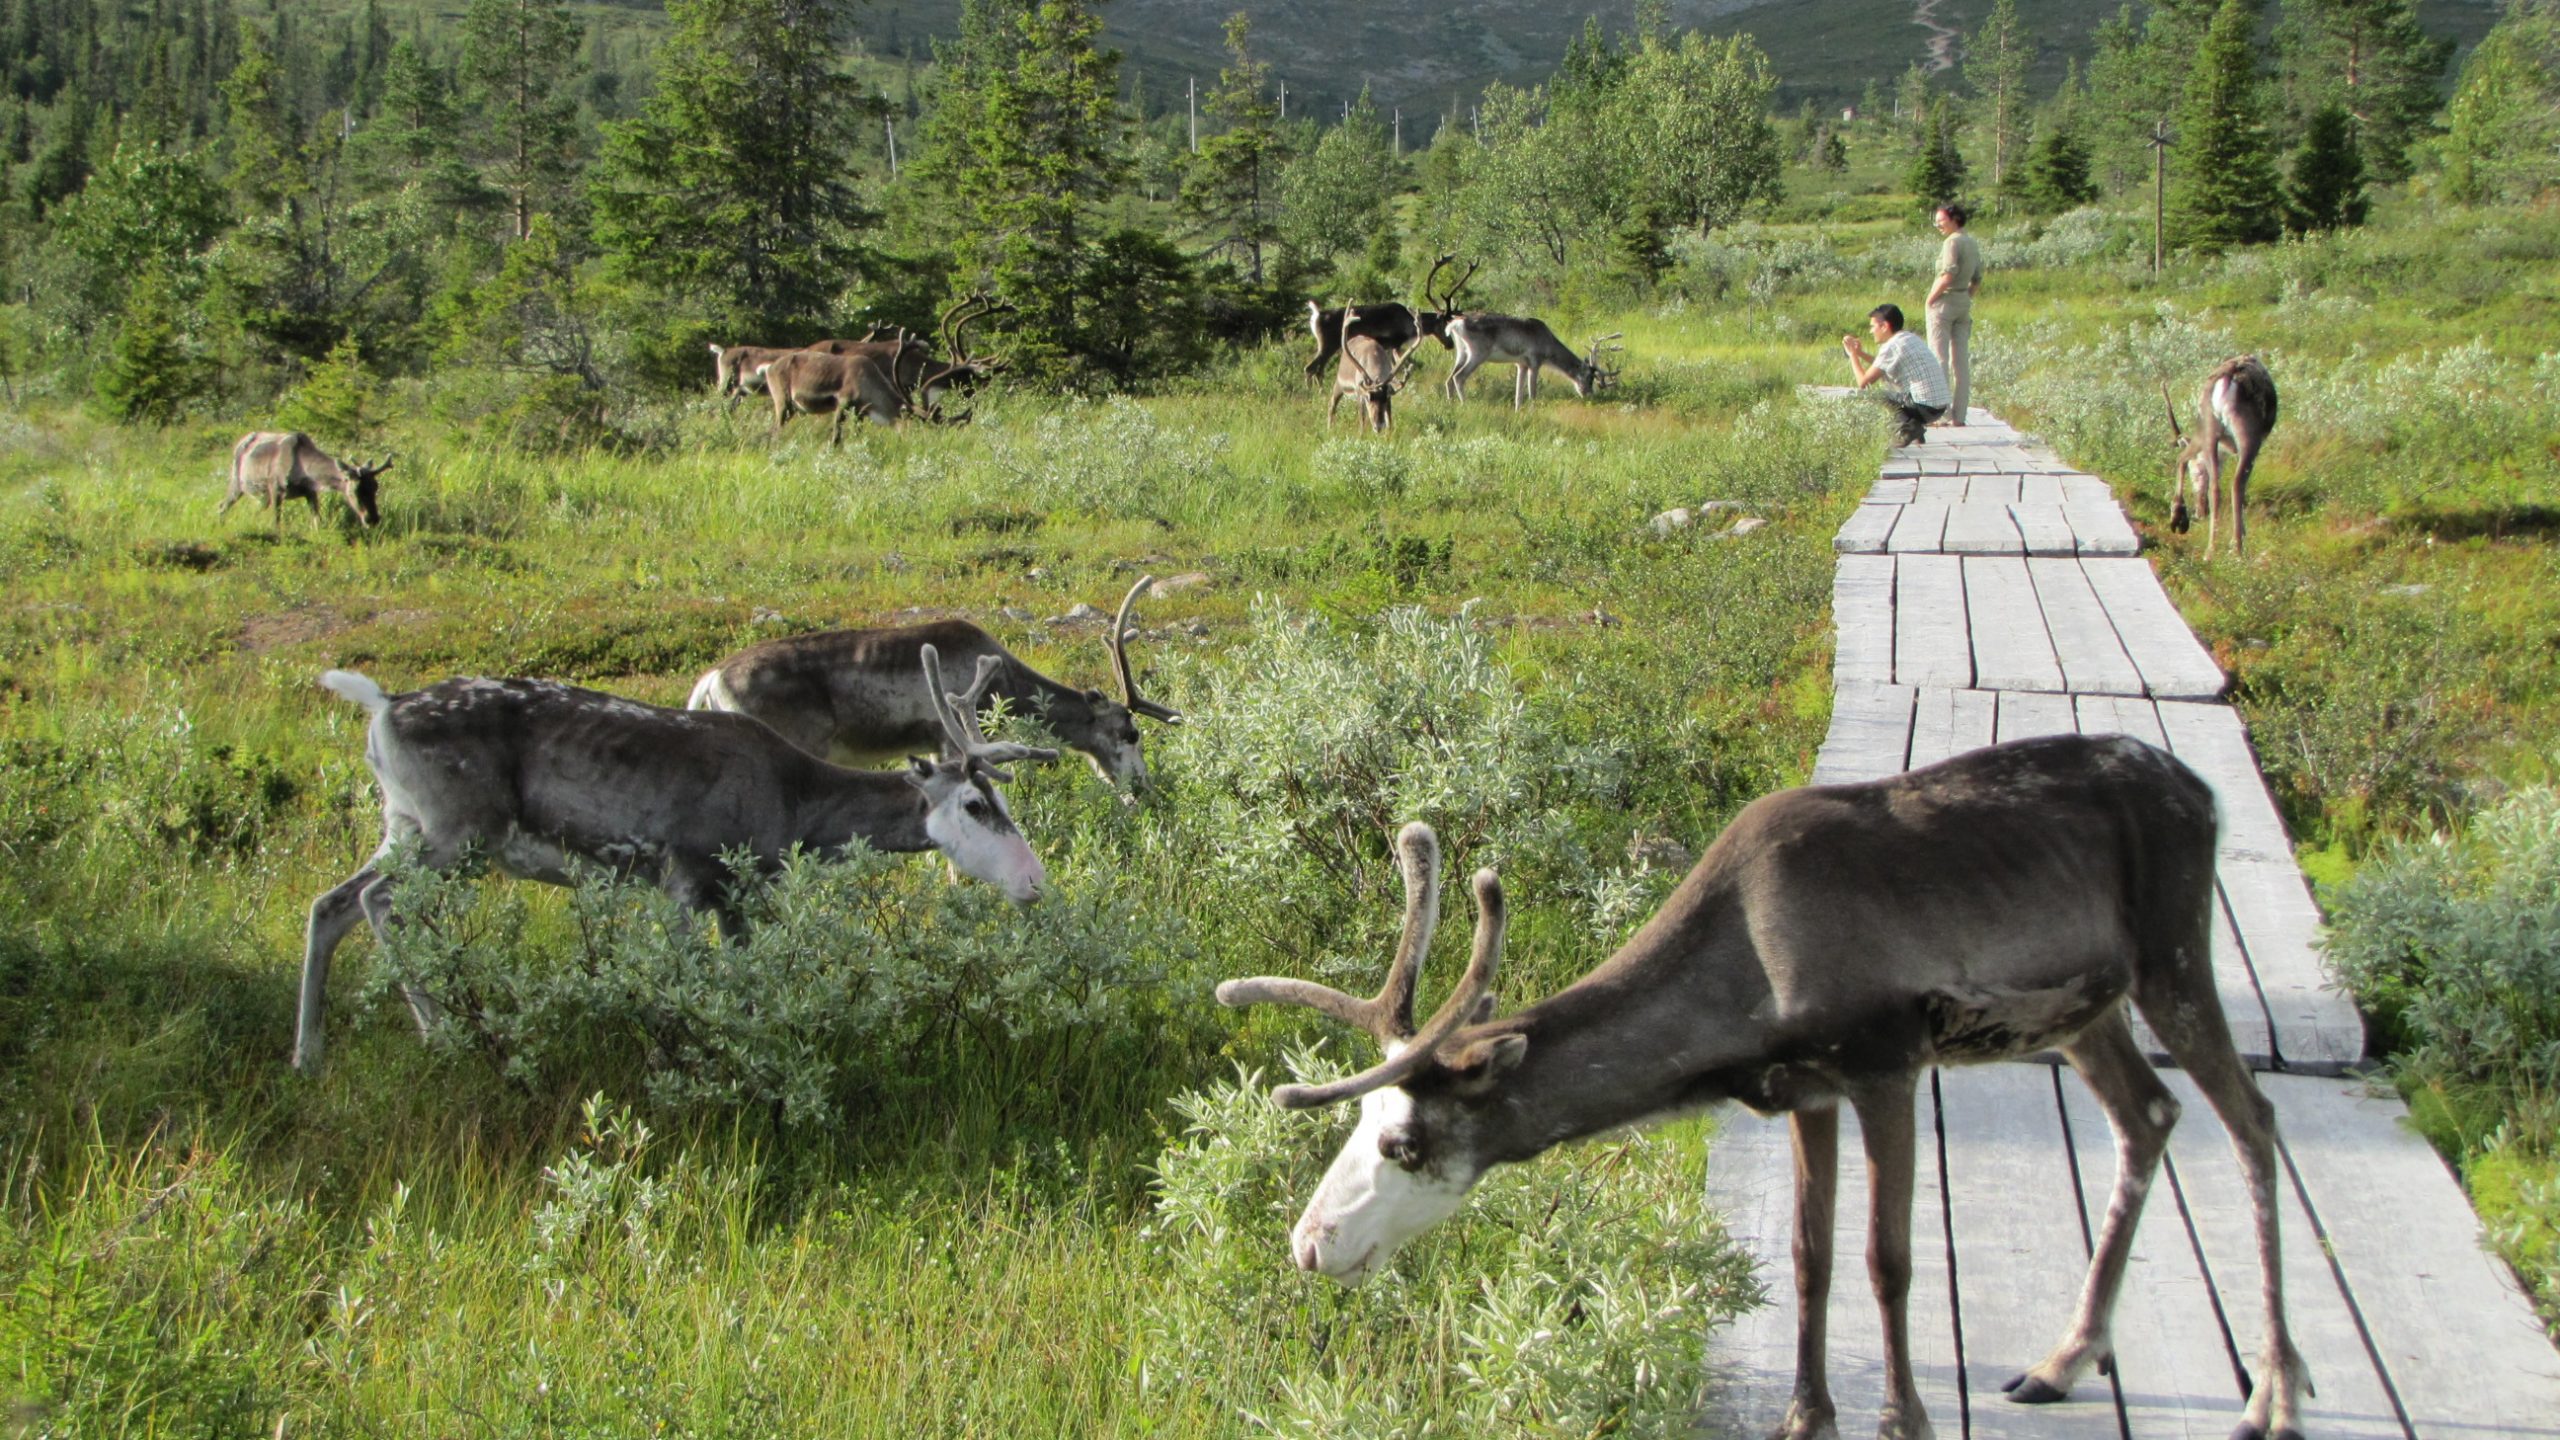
(537, 775)
(2235, 412)
(280, 465)
(1528, 345)
(850, 695)
(1831, 945)
(1372, 373)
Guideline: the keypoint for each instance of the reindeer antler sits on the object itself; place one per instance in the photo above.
(2174, 427)
(1138, 704)
(959, 715)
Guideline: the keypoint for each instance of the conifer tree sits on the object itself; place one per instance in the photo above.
(515, 71)
(1232, 194)
(733, 186)
(2371, 59)
(2502, 136)
(2327, 192)
(153, 370)
(2222, 185)
(2057, 170)
(1995, 64)
(1938, 171)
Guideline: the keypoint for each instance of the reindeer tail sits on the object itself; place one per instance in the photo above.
(349, 685)
(711, 692)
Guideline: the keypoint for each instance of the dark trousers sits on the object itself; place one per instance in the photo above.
(1911, 421)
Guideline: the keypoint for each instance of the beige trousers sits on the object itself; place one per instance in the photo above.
(1951, 340)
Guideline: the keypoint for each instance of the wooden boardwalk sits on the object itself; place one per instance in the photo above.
(1986, 592)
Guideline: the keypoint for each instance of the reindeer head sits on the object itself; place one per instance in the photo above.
(1416, 1152)
(2184, 454)
(363, 490)
(1441, 308)
(1594, 374)
(963, 372)
(965, 816)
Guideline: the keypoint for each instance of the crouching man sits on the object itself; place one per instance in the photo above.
(1915, 384)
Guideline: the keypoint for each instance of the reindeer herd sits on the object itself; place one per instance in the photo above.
(1829, 947)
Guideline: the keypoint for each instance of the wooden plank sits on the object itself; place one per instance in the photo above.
(1867, 530)
(2101, 529)
(2244, 1005)
(2019, 1251)
(1950, 722)
(2093, 659)
(2317, 1029)
(2174, 1370)
(2040, 489)
(2079, 489)
(2155, 636)
(2206, 1186)
(1862, 616)
(1940, 463)
(1941, 490)
(1894, 490)
(1870, 733)
(2120, 715)
(1999, 489)
(2024, 714)
(1751, 1362)
(2043, 530)
(1930, 641)
(1978, 529)
(2212, 739)
(2010, 648)
(1918, 530)
(2457, 1340)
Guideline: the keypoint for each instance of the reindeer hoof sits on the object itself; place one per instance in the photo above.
(2247, 1431)
(2028, 1390)
(2178, 520)
(2106, 1364)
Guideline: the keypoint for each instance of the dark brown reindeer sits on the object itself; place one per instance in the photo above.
(538, 776)
(851, 696)
(1372, 373)
(2235, 412)
(1832, 944)
(1527, 344)
(1394, 325)
(281, 465)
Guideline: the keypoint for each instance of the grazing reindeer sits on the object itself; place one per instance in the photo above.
(1527, 345)
(850, 696)
(2236, 412)
(737, 370)
(1373, 373)
(813, 382)
(281, 465)
(962, 373)
(537, 775)
(1831, 945)
(1396, 326)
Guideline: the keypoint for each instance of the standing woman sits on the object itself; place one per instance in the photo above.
(1951, 306)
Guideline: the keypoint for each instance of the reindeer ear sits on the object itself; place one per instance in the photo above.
(1474, 1067)
(919, 771)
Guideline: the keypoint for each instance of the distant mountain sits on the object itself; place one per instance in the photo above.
(1431, 57)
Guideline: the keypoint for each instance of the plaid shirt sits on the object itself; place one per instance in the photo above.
(1910, 368)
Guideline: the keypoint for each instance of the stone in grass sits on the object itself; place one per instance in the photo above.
(1682, 517)
(1744, 526)
(1082, 614)
(1176, 584)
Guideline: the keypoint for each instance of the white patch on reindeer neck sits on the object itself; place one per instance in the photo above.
(1368, 1205)
(991, 850)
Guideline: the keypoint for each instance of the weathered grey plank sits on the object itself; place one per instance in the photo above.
(1867, 530)
(2038, 488)
(2010, 648)
(2102, 529)
(1751, 1363)
(1894, 490)
(2025, 714)
(2206, 1188)
(1930, 643)
(1993, 489)
(2316, 1028)
(1862, 615)
(2120, 715)
(1941, 490)
(2042, 528)
(1938, 464)
(1947, 723)
(1918, 530)
(2155, 636)
(2019, 1251)
(2212, 739)
(2093, 659)
(2173, 1363)
(2080, 489)
(1870, 732)
(2244, 1005)
(2458, 1342)
(1978, 529)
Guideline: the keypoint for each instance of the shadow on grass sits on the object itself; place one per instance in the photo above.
(2493, 522)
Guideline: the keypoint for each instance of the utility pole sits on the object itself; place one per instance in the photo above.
(1475, 121)
(1399, 132)
(1191, 97)
(2159, 187)
(893, 148)
(1284, 99)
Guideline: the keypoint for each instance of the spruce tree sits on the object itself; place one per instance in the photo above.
(153, 370)
(1937, 172)
(2327, 192)
(515, 71)
(1995, 64)
(2222, 183)
(2058, 170)
(1232, 194)
(2373, 60)
(733, 187)
(2502, 137)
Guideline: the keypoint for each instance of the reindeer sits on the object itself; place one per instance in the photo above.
(1373, 373)
(813, 382)
(962, 372)
(1832, 944)
(1528, 345)
(281, 465)
(1396, 326)
(538, 776)
(2236, 412)
(850, 695)
(739, 369)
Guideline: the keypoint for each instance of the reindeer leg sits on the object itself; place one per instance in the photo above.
(2141, 1111)
(1885, 1120)
(1810, 1412)
(2248, 458)
(1333, 410)
(332, 916)
(423, 1009)
(2211, 494)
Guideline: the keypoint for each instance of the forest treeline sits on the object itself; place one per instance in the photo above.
(203, 210)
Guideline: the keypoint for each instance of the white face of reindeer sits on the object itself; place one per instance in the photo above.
(1398, 1175)
(969, 823)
